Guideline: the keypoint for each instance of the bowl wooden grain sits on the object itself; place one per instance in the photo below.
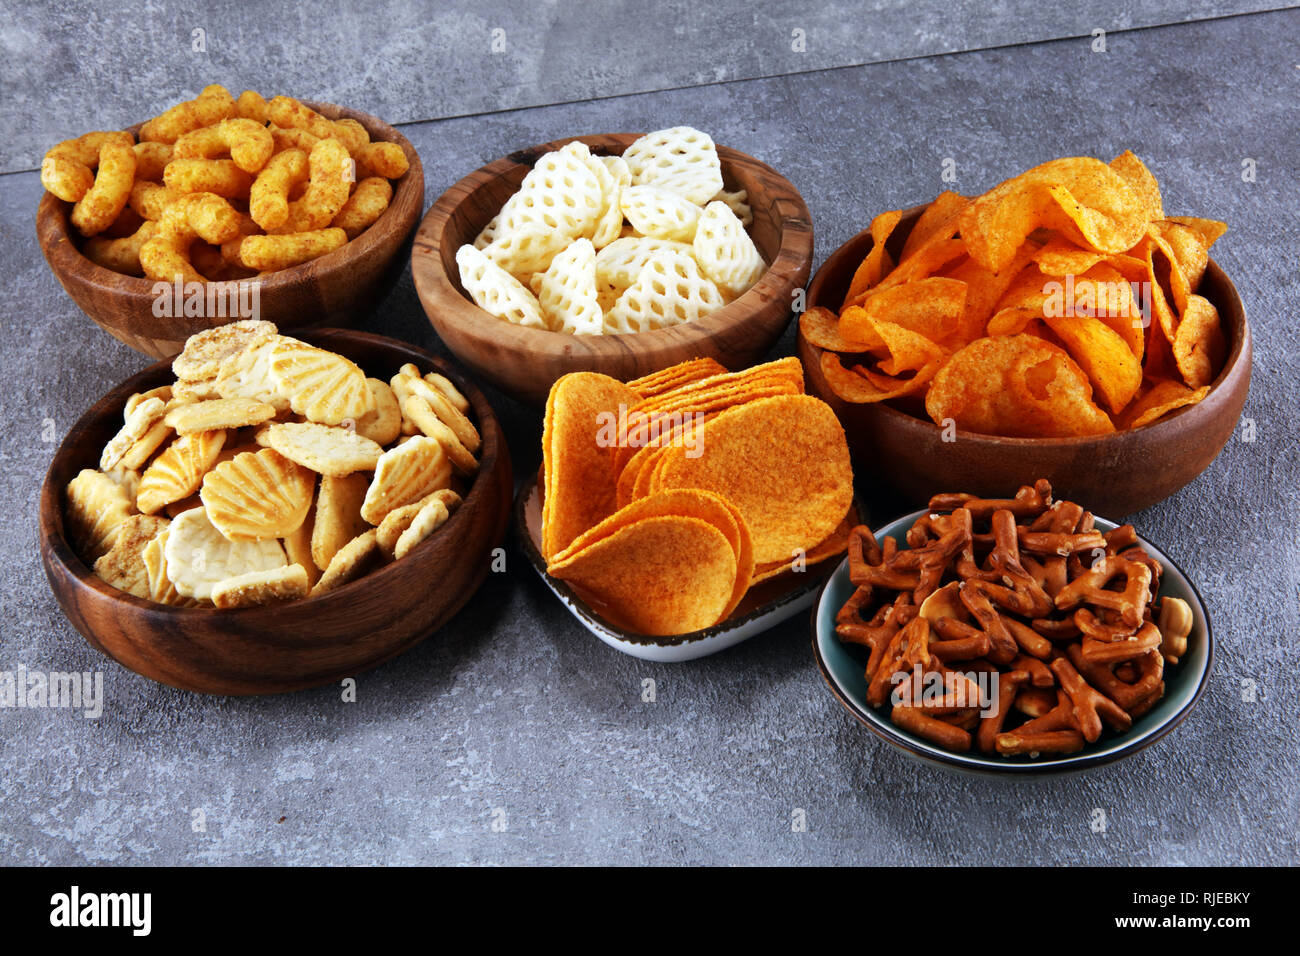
(336, 289)
(317, 640)
(525, 362)
(1114, 474)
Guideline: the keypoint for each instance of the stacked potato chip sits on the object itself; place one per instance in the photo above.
(1015, 313)
(594, 245)
(269, 470)
(667, 498)
(220, 188)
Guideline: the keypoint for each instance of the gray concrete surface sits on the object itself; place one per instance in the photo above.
(77, 65)
(515, 713)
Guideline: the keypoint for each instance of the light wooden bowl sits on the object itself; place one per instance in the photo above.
(524, 362)
(317, 640)
(1114, 474)
(336, 289)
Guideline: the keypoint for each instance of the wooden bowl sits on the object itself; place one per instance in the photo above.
(335, 289)
(1114, 474)
(317, 640)
(524, 362)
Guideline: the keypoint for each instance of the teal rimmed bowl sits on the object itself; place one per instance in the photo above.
(842, 667)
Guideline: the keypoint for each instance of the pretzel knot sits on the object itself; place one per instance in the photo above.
(1090, 587)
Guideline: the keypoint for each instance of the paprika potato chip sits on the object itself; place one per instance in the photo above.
(1157, 399)
(1199, 345)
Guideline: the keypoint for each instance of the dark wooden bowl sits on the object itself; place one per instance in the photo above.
(524, 362)
(1113, 474)
(317, 640)
(336, 289)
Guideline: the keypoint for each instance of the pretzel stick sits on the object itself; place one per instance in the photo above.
(936, 731)
(1038, 673)
(1102, 652)
(1050, 742)
(1059, 717)
(1090, 587)
(1030, 641)
(991, 723)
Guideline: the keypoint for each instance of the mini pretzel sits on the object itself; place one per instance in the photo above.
(1091, 587)
(1029, 502)
(1030, 641)
(1058, 716)
(1038, 673)
(1035, 701)
(981, 608)
(1112, 652)
(1091, 707)
(933, 729)
(991, 723)
(1128, 694)
(1016, 743)
(1059, 542)
(875, 633)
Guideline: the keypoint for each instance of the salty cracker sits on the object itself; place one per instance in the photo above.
(419, 411)
(254, 588)
(580, 486)
(297, 546)
(496, 291)
(199, 556)
(782, 462)
(325, 449)
(726, 253)
(96, 507)
(247, 374)
(667, 574)
(178, 472)
(321, 385)
(354, 560)
(426, 521)
(682, 160)
(257, 495)
(122, 566)
(668, 291)
(659, 213)
(204, 351)
(1018, 386)
(139, 422)
(399, 519)
(218, 413)
(337, 518)
(405, 474)
(159, 586)
(567, 291)
(383, 423)
(561, 192)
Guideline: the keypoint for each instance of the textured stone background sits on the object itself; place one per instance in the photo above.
(513, 706)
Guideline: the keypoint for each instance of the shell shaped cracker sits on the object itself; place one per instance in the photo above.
(660, 213)
(258, 495)
(96, 508)
(668, 291)
(567, 291)
(140, 420)
(178, 472)
(123, 565)
(725, 252)
(682, 160)
(496, 291)
(383, 423)
(353, 560)
(526, 250)
(218, 413)
(325, 449)
(246, 373)
(160, 588)
(204, 351)
(321, 385)
(413, 470)
(427, 520)
(562, 192)
(199, 556)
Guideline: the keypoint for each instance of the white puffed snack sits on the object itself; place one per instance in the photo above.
(496, 291)
(526, 250)
(620, 262)
(567, 291)
(738, 200)
(668, 291)
(659, 213)
(199, 556)
(682, 160)
(725, 252)
(614, 177)
(561, 192)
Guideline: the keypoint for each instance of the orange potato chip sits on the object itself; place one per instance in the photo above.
(937, 223)
(1109, 363)
(675, 376)
(580, 489)
(1199, 344)
(1019, 386)
(859, 387)
(877, 261)
(821, 327)
(1158, 399)
(926, 261)
(1188, 248)
(1134, 172)
(663, 575)
(783, 463)
(931, 307)
(1081, 197)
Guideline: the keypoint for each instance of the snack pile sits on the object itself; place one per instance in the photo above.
(1067, 621)
(667, 498)
(269, 470)
(1060, 303)
(595, 245)
(219, 188)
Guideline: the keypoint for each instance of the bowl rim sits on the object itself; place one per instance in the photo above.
(968, 763)
(63, 253)
(1242, 345)
(818, 576)
(788, 270)
(53, 540)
